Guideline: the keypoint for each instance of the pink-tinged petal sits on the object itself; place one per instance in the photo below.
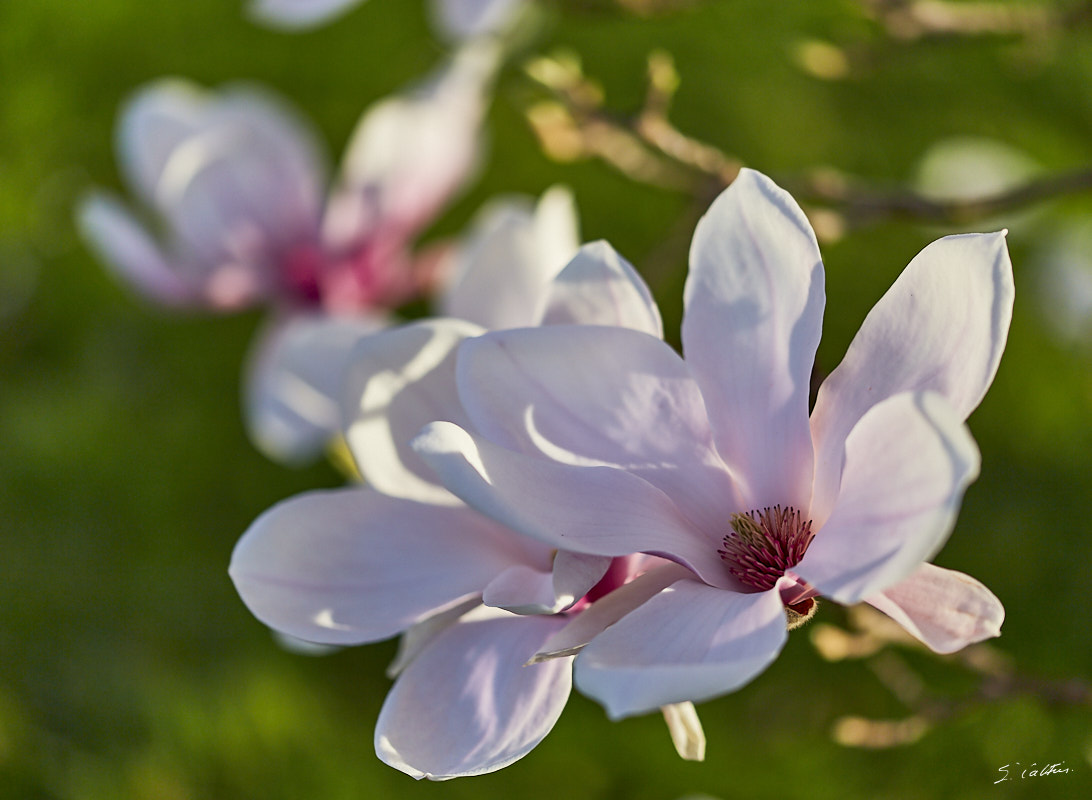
(465, 19)
(293, 382)
(467, 705)
(599, 287)
(247, 187)
(941, 327)
(298, 14)
(126, 247)
(154, 121)
(691, 642)
(607, 610)
(398, 381)
(501, 273)
(594, 510)
(410, 153)
(908, 462)
(945, 609)
(352, 565)
(592, 395)
(523, 590)
(417, 637)
(754, 312)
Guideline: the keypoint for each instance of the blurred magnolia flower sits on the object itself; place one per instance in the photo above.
(454, 19)
(604, 441)
(245, 217)
(475, 600)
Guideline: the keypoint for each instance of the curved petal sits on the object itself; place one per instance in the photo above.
(523, 590)
(293, 382)
(397, 381)
(594, 510)
(156, 119)
(352, 565)
(754, 313)
(941, 327)
(690, 642)
(945, 609)
(298, 14)
(246, 188)
(599, 287)
(467, 705)
(127, 248)
(411, 152)
(465, 19)
(908, 462)
(590, 395)
(502, 271)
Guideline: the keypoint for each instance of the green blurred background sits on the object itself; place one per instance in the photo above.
(128, 666)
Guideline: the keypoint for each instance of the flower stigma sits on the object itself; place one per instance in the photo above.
(762, 546)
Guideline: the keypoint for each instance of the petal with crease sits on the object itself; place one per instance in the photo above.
(594, 510)
(941, 327)
(599, 287)
(523, 590)
(351, 565)
(690, 642)
(467, 705)
(293, 382)
(397, 381)
(754, 312)
(908, 462)
(945, 609)
(590, 395)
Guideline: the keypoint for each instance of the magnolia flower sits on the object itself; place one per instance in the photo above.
(604, 441)
(454, 19)
(476, 600)
(238, 186)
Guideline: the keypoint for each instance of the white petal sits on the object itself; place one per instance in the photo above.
(398, 381)
(247, 186)
(154, 121)
(126, 247)
(754, 311)
(410, 153)
(352, 565)
(464, 19)
(599, 287)
(298, 14)
(293, 382)
(594, 510)
(908, 462)
(593, 395)
(501, 273)
(417, 636)
(467, 705)
(691, 642)
(941, 327)
(945, 609)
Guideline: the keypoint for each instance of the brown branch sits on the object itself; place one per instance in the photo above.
(871, 640)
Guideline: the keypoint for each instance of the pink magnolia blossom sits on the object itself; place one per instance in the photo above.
(245, 217)
(454, 19)
(604, 441)
(474, 599)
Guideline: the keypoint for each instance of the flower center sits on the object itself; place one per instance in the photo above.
(762, 545)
